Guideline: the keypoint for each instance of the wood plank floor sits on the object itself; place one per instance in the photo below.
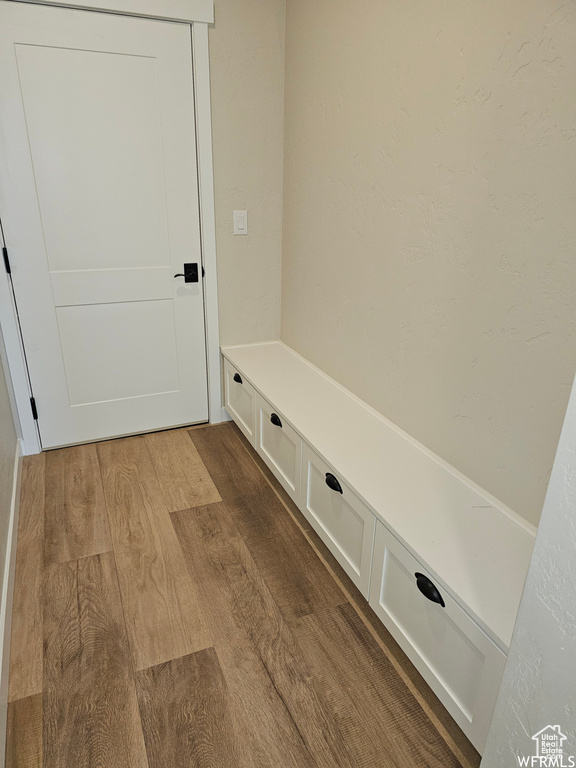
(163, 614)
(76, 524)
(90, 710)
(26, 647)
(172, 609)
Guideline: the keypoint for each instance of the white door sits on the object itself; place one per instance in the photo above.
(99, 206)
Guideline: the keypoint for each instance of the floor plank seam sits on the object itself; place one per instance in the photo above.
(284, 703)
(117, 578)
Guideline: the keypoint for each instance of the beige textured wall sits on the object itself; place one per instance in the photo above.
(429, 221)
(247, 87)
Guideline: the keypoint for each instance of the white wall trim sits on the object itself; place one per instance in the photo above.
(172, 10)
(225, 415)
(16, 360)
(7, 598)
(201, 63)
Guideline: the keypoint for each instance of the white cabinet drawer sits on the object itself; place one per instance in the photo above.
(459, 662)
(240, 401)
(343, 522)
(280, 446)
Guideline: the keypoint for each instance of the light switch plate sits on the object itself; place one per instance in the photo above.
(240, 222)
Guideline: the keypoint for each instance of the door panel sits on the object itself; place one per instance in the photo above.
(94, 286)
(99, 205)
(98, 338)
(93, 120)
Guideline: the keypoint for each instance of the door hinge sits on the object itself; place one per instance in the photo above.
(6, 260)
(34, 409)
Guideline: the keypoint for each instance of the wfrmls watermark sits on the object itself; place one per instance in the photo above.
(549, 750)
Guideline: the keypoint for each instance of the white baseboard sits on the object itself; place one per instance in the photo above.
(224, 416)
(7, 598)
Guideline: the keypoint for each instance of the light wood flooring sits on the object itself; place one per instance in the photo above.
(172, 608)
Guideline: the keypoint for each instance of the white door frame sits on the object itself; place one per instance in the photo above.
(198, 13)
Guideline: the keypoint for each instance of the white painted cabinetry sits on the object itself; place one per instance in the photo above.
(240, 401)
(455, 657)
(344, 523)
(280, 446)
(388, 509)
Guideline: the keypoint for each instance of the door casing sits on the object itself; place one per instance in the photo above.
(196, 13)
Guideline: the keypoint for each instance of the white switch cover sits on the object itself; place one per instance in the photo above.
(240, 222)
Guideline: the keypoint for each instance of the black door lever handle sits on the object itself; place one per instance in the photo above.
(190, 274)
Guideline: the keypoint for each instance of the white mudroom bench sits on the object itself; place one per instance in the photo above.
(441, 562)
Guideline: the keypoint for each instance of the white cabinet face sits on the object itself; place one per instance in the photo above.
(459, 662)
(280, 446)
(240, 401)
(339, 517)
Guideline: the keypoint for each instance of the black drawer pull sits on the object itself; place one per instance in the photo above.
(429, 589)
(333, 483)
(238, 378)
(275, 419)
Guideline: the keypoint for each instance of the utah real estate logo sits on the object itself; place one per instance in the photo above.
(549, 750)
